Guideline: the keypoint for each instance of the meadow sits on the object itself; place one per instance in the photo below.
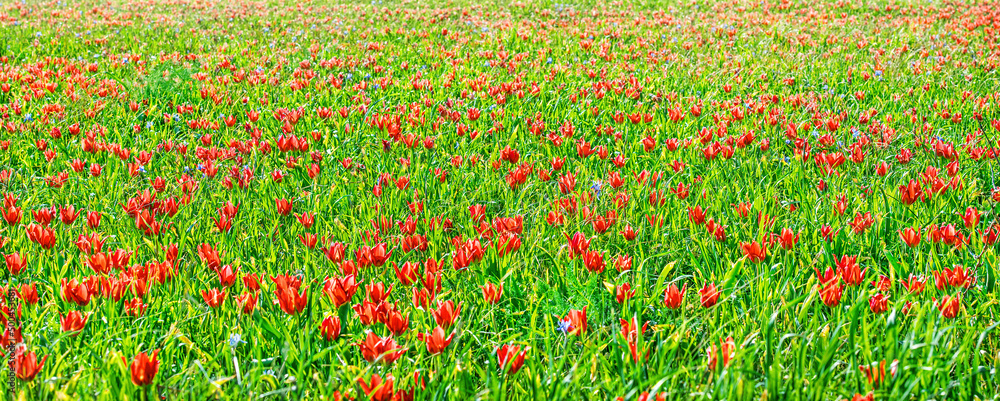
(419, 200)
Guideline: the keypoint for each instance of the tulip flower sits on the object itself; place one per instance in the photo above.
(971, 217)
(73, 322)
(144, 368)
(446, 313)
(26, 364)
(575, 322)
(28, 293)
(511, 357)
(914, 285)
(878, 303)
(949, 306)
(395, 321)
(674, 298)
(247, 302)
(377, 292)
(377, 349)
(726, 349)
(883, 283)
(214, 297)
(876, 375)
(628, 233)
(209, 256)
(830, 292)
(330, 328)
(74, 291)
(955, 277)
(910, 236)
(849, 270)
(709, 295)
(340, 290)
(286, 292)
(754, 251)
(227, 275)
(436, 340)
(15, 263)
(788, 238)
(377, 389)
(593, 261)
(624, 292)
(492, 293)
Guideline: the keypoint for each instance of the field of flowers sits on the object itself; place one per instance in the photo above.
(418, 200)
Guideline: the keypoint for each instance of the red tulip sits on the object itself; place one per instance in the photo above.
(629, 233)
(335, 252)
(210, 256)
(949, 306)
(754, 251)
(28, 294)
(340, 290)
(878, 303)
(227, 277)
(876, 375)
(883, 283)
(436, 340)
(135, 307)
(395, 321)
(446, 313)
(971, 217)
(283, 206)
(726, 349)
(377, 389)
(830, 292)
(624, 292)
(593, 261)
(378, 349)
(623, 263)
(287, 293)
(578, 244)
(309, 240)
(882, 169)
(330, 328)
(144, 368)
(788, 238)
(956, 277)
(696, 215)
(76, 292)
(492, 293)
(511, 357)
(674, 298)
(575, 322)
(247, 302)
(74, 321)
(377, 292)
(910, 236)
(863, 397)
(251, 282)
(43, 236)
(306, 219)
(709, 295)
(648, 143)
(26, 364)
(214, 298)
(367, 312)
(68, 214)
(12, 215)
(849, 270)
(15, 263)
(914, 285)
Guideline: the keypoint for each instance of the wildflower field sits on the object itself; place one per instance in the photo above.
(421, 200)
